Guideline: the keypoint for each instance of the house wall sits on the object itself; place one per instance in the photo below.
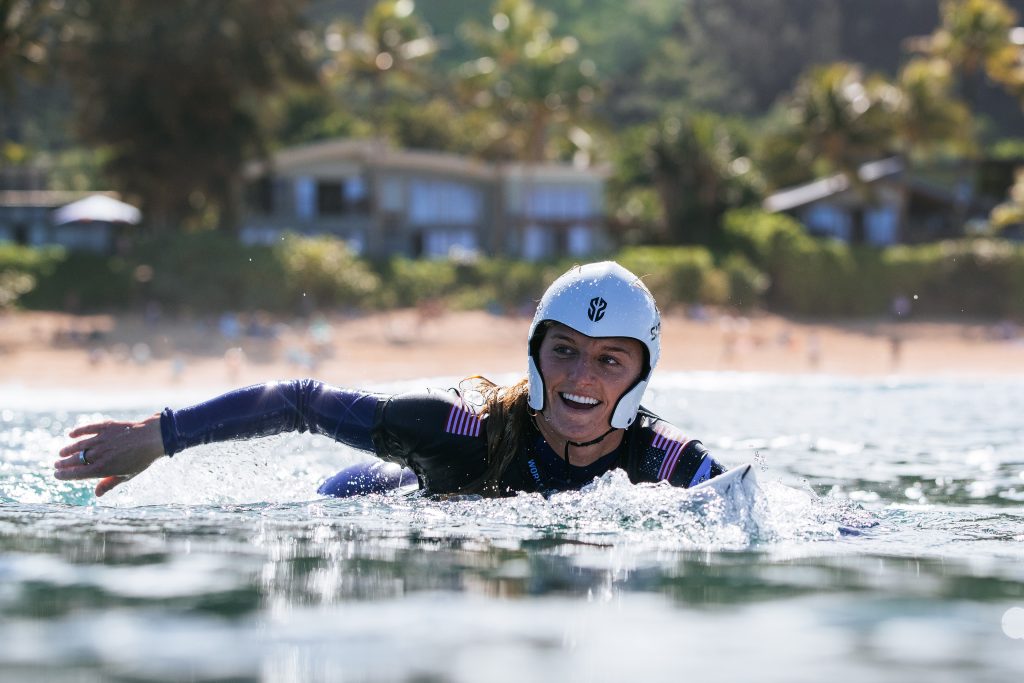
(845, 214)
(554, 216)
(429, 204)
(320, 198)
(430, 214)
(26, 225)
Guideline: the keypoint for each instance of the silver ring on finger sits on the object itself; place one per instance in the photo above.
(82, 457)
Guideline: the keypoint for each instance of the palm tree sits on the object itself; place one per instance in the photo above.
(698, 165)
(383, 57)
(974, 37)
(929, 114)
(843, 118)
(528, 79)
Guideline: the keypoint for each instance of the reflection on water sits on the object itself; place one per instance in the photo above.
(885, 542)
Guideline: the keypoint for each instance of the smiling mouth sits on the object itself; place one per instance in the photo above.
(579, 402)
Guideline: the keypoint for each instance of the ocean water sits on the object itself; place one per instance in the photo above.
(885, 543)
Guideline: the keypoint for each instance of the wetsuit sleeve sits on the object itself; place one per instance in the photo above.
(265, 409)
(436, 434)
(661, 452)
(694, 466)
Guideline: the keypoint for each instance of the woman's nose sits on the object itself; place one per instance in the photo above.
(582, 369)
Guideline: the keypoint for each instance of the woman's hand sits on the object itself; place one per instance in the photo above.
(115, 451)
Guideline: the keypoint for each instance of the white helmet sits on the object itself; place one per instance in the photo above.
(599, 300)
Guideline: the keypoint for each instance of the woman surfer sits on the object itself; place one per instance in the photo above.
(592, 346)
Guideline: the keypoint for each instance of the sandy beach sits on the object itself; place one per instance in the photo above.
(103, 353)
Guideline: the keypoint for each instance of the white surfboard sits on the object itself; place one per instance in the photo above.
(738, 479)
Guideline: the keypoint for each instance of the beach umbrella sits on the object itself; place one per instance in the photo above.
(97, 207)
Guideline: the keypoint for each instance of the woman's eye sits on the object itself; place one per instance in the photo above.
(562, 350)
(610, 360)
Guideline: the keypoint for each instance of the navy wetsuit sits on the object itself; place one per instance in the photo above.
(434, 433)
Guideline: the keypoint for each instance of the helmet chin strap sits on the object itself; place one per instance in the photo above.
(569, 442)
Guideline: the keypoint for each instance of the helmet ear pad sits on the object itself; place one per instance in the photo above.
(535, 380)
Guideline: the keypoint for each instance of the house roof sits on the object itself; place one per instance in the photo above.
(376, 153)
(381, 154)
(801, 195)
(38, 199)
(97, 207)
(552, 172)
(327, 150)
(434, 161)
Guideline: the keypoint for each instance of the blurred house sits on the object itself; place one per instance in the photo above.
(386, 201)
(31, 215)
(887, 205)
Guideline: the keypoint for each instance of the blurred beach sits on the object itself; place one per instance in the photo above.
(104, 353)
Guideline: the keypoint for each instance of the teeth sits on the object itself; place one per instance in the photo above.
(576, 398)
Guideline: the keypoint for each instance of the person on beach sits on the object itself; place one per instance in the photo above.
(592, 346)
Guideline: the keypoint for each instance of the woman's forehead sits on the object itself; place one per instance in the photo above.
(564, 332)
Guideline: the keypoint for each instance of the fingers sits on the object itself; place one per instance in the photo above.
(95, 428)
(73, 468)
(108, 483)
(78, 446)
(98, 433)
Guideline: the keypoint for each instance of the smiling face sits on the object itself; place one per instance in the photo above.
(584, 377)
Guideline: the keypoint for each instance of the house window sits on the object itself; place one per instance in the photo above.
(250, 235)
(828, 221)
(357, 196)
(538, 243)
(436, 201)
(560, 203)
(305, 198)
(881, 226)
(330, 198)
(391, 195)
(580, 241)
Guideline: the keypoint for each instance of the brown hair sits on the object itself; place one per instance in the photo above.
(508, 418)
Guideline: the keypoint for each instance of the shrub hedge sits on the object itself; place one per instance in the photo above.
(769, 261)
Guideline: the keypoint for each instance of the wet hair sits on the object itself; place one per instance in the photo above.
(508, 420)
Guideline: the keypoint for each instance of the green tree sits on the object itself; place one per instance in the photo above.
(530, 81)
(928, 114)
(1011, 212)
(27, 34)
(384, 82)
(974, 37)
(698, 166)
(27, 31)
(175, 92)
(842, 117)
(381, 60)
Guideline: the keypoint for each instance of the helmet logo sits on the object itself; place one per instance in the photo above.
(597, 308)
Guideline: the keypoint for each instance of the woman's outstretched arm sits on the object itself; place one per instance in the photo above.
(117, 451)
